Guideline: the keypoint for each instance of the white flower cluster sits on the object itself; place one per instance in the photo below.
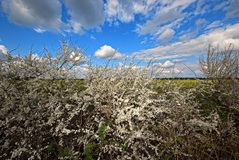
(115, 113)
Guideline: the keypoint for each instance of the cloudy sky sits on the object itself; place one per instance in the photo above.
(168, 31)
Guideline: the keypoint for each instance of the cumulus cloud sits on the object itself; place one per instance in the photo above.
(43, 14)
(166, 35)
(109, 53)
(85, 14)
(78, 57)
(46, 15)
(3, 52)
(187, 69)
(220, 36)
(167, 64)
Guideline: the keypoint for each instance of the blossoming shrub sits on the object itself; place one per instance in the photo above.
(117, 114)
(221, 67)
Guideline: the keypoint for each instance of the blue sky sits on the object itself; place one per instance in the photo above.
(168, 31)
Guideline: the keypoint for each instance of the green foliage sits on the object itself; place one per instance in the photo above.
(66, 152)
(101, 132)
(88, 150)
(51, 147)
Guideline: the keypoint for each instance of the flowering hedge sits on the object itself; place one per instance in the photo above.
(115, 113)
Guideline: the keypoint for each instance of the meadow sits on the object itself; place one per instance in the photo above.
(114, 113)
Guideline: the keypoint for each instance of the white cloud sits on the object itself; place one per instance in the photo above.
(214, 25)
(232, 9)
(201, 7)
(173, 4)
(166, 35)
(77, 57)
(80, 71)
(109, 53)
(167, 64)
(3, 52)
(125, 10)
(167, 12)
(39, 30)
(220, 6)
(144, 41)
(46, 15)
(152, 26)
(186, 36)
(92, 37)
(189, 69)
(222, 37)
(154, 16)
(37, 14)
(77, 28)
(178, 60)
(85, 14)
(201, 22)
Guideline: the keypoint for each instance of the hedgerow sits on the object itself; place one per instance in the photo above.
(116, 113)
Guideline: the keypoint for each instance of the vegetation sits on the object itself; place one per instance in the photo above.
(220, 64)
(222, 68)
(117, 112)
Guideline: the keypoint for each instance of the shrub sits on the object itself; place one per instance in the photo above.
(221, 68)
(117, 114)
(220, 64)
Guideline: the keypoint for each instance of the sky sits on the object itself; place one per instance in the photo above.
(174, 33)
